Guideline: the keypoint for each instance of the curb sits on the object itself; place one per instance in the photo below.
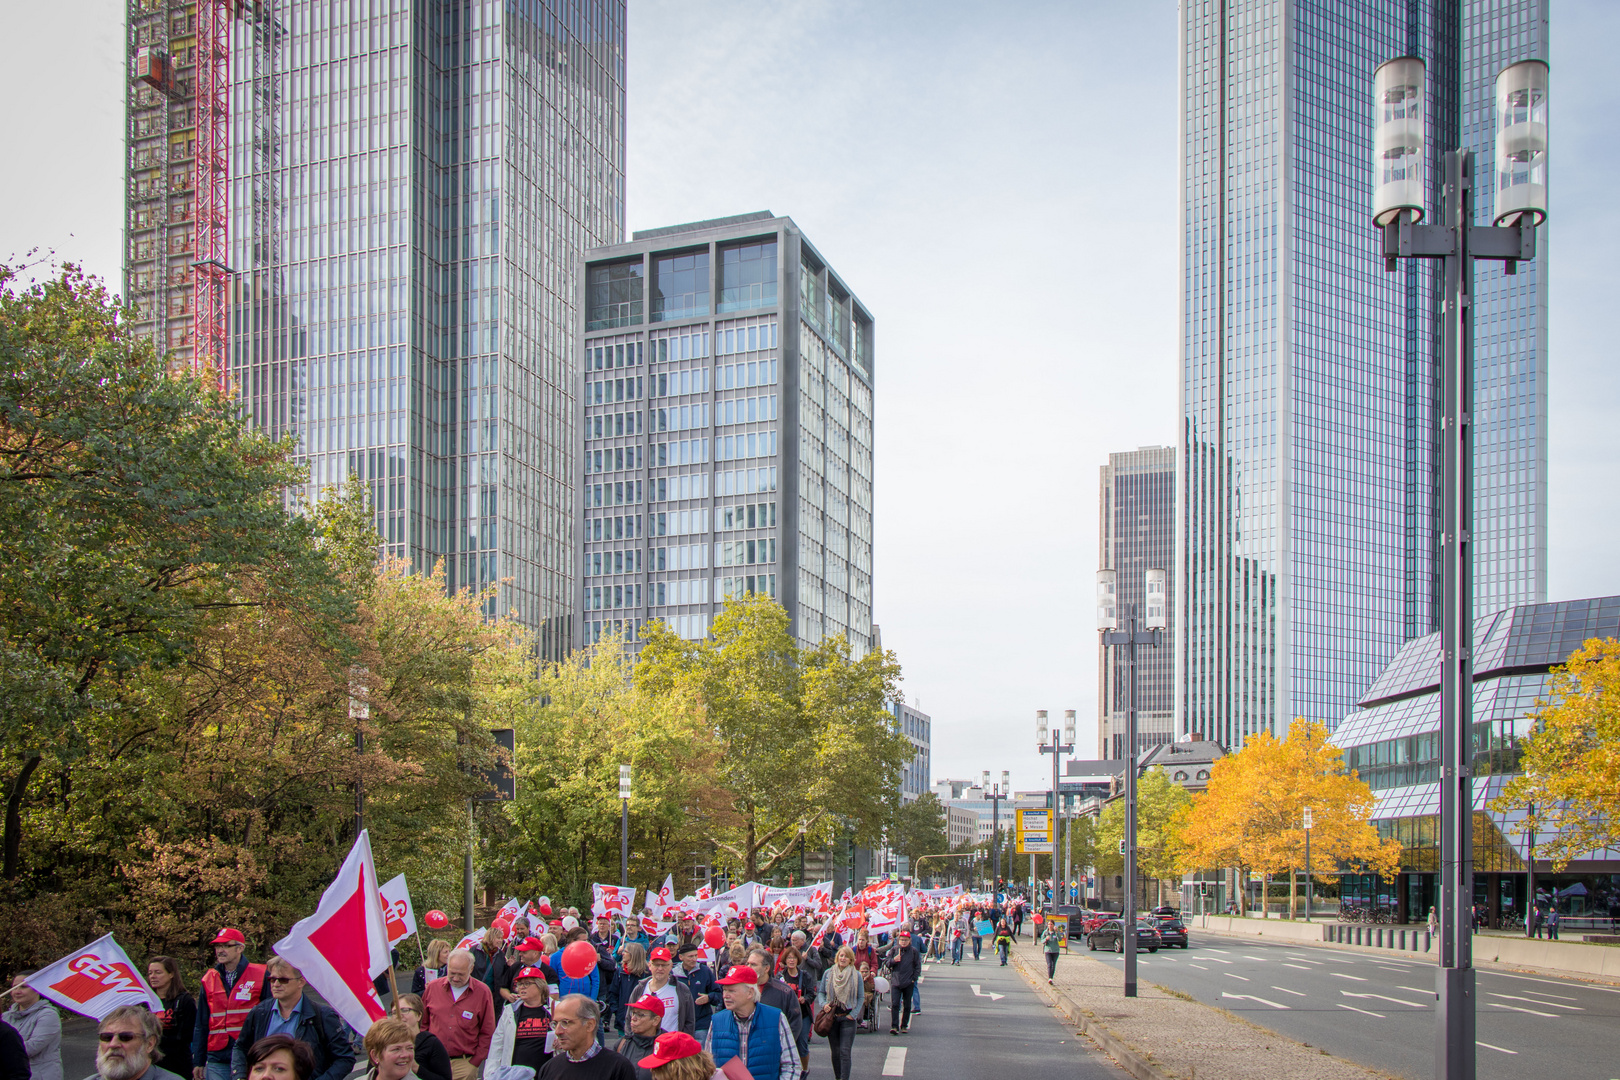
(1128, 1059)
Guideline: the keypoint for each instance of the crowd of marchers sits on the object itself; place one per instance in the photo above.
(564, 999)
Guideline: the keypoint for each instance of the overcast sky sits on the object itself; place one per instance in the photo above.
(997, 183)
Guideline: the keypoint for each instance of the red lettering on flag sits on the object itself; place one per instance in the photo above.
(92, 977)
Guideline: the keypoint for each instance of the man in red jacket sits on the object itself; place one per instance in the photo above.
(460, 1012)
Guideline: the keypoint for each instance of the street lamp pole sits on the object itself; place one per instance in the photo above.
(1530, 876)
(1055, 747)
(995, 795)
(1520, 196)
(1307, 864)
(1154, 619)
(624, 826)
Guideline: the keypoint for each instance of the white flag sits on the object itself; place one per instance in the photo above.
(94, 981)
(344, 946)
(398, 911)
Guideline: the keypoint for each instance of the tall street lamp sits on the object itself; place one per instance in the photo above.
(995, 795)
(1054, 747)
(1520, 180)
(1307, 824)
(1144, 630)
(624, 826)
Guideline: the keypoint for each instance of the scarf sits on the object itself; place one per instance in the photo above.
(841, 985)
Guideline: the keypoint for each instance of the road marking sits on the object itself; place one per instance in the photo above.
(1229, 975)
(1538, 1001)
(1560, 997)
(1386, 967)
(1498, 1049)
(980, 993)
(1550, 982)
(1313, 963)
(1251, 997)
(1301, 967)
(1342, 975)
(920, 978)
(1285, 990)
(1385, 997)
(1218, 960)
(1246, 956)
(1200, 967)
(895, 1063)
(1515, 1008)
(1415, 990)
(1363, 1012)
(1223, 952)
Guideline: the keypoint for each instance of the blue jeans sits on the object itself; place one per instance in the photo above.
(977, 942)
(218, 1070)
(916, 998)
(956, 951)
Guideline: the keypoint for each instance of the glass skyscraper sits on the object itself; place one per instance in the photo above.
(727, 451)
(1308, 375)
(413, 185)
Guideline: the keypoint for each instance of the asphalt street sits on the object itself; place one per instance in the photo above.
(1379, 1010)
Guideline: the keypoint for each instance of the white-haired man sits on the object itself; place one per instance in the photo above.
(127, 1044)
(757, 1033)
(460, 1012)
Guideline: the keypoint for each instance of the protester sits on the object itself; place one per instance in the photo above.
(646, 1016)
(40, 1026)
(841, 991)
(803, 984)
(460, 1011)
(524, 1025)
(432, 1062)
(230, 990)
(280, 1057)
(1002, 941)
(528, 953)
(391, 1050)
(290, 1012)
(905, 964)
(680, 1014)
(699, 982)
(775, 993)
(576, 1023)
(179, 1015)
(745, 1024)
(126, 1040)
(432, 966)
(1052, 942)
(620, 990)
(976, 932)
(959, 934)
(678, 1056)
(489, 958)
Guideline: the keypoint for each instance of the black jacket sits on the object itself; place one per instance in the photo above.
(13, 1055)
(905, 964)
(779, 995)
(319, 1028)
(432, 1063)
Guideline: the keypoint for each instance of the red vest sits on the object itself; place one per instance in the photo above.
(227, 1010)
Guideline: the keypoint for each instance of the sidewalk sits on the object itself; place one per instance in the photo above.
(1160, 1035)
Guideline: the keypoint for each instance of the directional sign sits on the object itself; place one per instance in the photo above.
(1034, 832)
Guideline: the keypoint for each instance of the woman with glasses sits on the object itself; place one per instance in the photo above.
(432, 1061)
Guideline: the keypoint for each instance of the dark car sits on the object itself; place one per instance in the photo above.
(1172, 932)
(1111, 935)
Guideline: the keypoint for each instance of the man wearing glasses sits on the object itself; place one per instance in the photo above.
(289, 1012)
(230, 990)
(127, 1039)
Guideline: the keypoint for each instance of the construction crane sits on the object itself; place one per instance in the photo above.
(211, 165)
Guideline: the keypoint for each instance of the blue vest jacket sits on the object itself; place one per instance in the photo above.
(764, 1041)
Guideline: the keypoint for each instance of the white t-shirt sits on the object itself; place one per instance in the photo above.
(672, 1005)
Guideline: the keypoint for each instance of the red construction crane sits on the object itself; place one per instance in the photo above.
(210, 270)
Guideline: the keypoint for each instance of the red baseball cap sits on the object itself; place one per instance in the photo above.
(671, 1046)
(651, 1003)
(660, 953)
(230, 935)
(530, 972)
(739, 975)
(531, 944)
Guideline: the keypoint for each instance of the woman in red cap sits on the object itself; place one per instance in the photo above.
(646, 1019)
(520, 1033)
(678, 1056)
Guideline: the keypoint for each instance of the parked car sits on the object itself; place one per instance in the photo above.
(1095, 919)
(1166, 912)
(1111, 934)
(1172, 932)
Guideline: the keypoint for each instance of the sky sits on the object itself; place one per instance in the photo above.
(997, 183)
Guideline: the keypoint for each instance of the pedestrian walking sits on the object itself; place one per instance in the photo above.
(958, 939)
(1002, 942)
(680, 1013)
(524, 1025)
(460, 1011)
(774, 992)
(179, 1015)
(1535, 921)
(905, 964)
(1052, 942)
(290, 1012)
(699, 981)
(391, 1050)
(432, 1062)
(842, 992)
(579, 1054)
(977, 928)
(230, 990)
(803, 984)
(1434, 922)
(280, 1057)
(40, 1026)
(646, 1016)
(1552, 923)
(126, 1043)
(745, 1026)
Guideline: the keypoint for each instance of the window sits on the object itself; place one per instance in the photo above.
(746, 516)
(747, 276)
(732, 588)
(613, 295)
(680, 286)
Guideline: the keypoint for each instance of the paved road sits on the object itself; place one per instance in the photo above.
(1380, 1010)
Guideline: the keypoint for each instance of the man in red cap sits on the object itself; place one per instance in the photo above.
(757, 1033)
(230, 989)
(680, 1014)
(529, 951)
(645, 1017)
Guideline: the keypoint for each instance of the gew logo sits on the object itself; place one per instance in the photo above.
(93, 977)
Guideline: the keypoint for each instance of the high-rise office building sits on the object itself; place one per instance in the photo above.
(1308, 375)
(1136, 527)
(917, 775)
(412, 187)
(727, 409)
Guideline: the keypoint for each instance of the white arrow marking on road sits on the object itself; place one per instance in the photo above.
(1363, 1012)
(1229, 975)
(1515, 1008)
(1385, 997)
(1500, 1049)
(1251, 997)
(980, 993)
(1534, 1001)
(895, 1063)
(1342, 975)
(1285, 990)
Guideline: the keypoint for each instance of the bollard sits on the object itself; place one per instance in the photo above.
(1357, 940)
(1403, 941)
(1378, 937)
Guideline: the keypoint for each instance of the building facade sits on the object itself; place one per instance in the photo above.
(412, 186)
(917, 776)
(727, 451)
(1308, 375)
(969, 796)
(1393, 743)
(1136, 525)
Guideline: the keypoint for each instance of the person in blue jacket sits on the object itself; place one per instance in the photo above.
(768, 1058)
(590, 985)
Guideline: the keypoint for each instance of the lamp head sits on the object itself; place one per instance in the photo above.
(1399, 107)
(1157, 608)
(1068, 727)
(1521, 142)
(1041, 727)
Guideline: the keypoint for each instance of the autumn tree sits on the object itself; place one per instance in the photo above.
(1571, 761)
(1160, 803)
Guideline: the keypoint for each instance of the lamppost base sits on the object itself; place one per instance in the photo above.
(1454, 1033)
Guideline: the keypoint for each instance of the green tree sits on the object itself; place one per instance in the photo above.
(1160, 803)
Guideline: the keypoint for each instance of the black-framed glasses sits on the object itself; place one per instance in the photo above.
(120, 1036)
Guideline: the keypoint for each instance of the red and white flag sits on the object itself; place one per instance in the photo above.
(344, 946)
(612, 900)
(473, 940)
(510, 910)
(94, 981)
(704, 893)
(666, 892)
(397, 910)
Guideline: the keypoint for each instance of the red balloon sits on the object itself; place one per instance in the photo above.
(714, 937)
(504, 926)
(436, 919)
(545, 909)
(578, 959)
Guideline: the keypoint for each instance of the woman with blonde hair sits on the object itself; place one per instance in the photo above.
(678, 1056)
(842, 991)
(432, 965)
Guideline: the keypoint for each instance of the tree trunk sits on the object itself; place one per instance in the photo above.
(13, 837)
(1293, 896)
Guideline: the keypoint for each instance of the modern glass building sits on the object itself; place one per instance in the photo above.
(1308, 380)
(917, 775)
(1136, 519)
(413, 185)
(1393, 743)
(727, 451)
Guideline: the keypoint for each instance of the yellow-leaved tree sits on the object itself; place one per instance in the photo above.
(1252, 815)
(1571, 763)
